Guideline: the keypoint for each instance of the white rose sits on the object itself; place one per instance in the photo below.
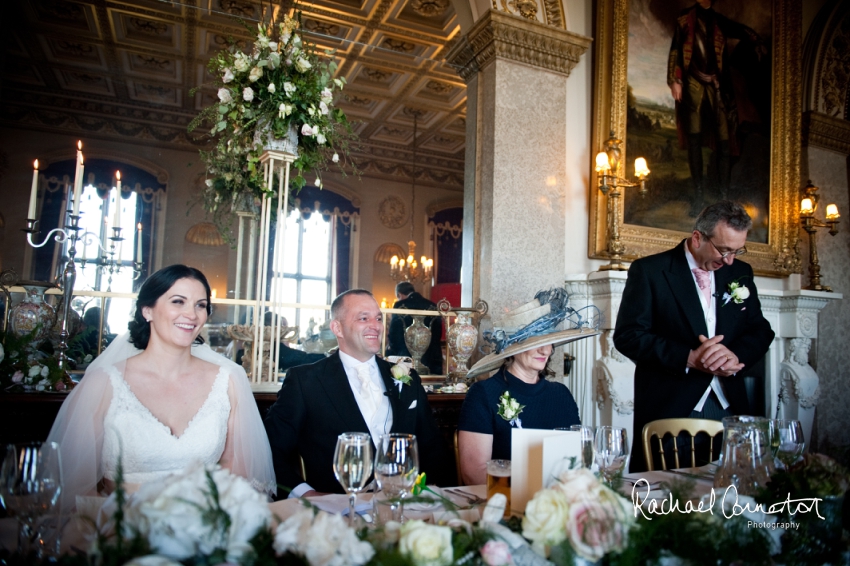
(545, 519)
(248, 510)
(496, 553)
(323, 108)
(741, 293)
(288, 533)
(271, 88)
(302, 65)
(273, 45)
(224, 95)
(327, 95)
(321, 139)
(209, 183)
(306, 130)
(44, 371)
(35, 371)
(323, 539)
(576, 483)
(228, 75)
(248, 94)
(335, 159)
(599, 523)
(240, 63)
(255, 74)
(288, 88)
(426, 545)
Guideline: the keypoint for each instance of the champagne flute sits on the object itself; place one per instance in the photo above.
(586, 444)
(612, 451)
(773, 428)
(396, 469)
(791, 442)
(353, 466)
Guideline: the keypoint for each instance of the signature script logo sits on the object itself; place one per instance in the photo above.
(730, 507)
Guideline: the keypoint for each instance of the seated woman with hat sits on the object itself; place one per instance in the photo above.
(518, 394)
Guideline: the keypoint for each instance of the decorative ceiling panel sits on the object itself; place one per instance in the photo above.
(125, 68)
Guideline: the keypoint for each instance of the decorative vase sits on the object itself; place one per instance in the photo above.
(461, 339)
(747, 461)
(33, 312)
(417, 337)
(264, 136)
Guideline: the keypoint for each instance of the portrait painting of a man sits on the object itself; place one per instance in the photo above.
(699, 74)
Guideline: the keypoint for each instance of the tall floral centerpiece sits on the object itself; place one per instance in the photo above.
(279, 96)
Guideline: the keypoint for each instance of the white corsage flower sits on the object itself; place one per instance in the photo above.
(736, 292)
(426, 545)
(401, 373)
(509, 409)
(248, 94)
(224, 95)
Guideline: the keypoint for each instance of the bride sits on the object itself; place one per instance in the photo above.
(159, 399)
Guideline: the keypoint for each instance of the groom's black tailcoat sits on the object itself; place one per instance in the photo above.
(316, 404)
(659, 323)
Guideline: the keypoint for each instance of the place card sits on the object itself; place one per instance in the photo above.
(537, 458)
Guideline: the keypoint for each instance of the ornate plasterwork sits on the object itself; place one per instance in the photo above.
(503, 36)
(392, 212)
(820, 130)
(798, 376)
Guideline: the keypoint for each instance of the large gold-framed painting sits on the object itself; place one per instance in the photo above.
(710, 96)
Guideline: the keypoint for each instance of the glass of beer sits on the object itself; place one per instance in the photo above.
(499, 481)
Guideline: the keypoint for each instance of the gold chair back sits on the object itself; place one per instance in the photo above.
(658, 429)
(457, 462)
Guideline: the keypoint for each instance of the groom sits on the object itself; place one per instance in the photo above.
(691, 344)
(349, 391)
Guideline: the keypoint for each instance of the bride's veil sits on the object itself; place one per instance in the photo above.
(78, 427)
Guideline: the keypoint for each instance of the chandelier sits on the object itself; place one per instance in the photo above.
(408, 269)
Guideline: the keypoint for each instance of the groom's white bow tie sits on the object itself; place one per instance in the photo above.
(369, 392)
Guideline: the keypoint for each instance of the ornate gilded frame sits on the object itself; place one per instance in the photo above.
(780, 255)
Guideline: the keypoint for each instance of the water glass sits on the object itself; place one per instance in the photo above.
(396, 469)
(791, 441)
(30, 480)
(586, 444)
(353, 466)
(612, 451)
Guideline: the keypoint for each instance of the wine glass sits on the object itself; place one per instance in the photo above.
(31, 479)
(396, 469)
(791, 442)
(612, 451)
(353, 466)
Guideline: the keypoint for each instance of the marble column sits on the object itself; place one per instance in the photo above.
(516, 72)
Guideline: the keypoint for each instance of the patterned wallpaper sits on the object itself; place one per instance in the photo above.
(831, 358)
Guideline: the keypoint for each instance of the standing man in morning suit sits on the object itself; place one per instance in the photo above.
(349, 391)
(408, 298)
(690, 344)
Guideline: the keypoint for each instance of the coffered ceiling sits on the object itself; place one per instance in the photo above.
(127, 69)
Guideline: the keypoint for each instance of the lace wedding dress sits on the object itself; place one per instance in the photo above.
(102, 418)
(147, 448)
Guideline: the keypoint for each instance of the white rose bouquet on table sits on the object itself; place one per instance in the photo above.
(577, 515)
(322, 539)
(282, 86)
(206, 512)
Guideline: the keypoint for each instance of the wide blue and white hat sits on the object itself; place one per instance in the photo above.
(534, 324)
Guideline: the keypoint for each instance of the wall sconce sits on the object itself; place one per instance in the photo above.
(610, 183)
(810, 224)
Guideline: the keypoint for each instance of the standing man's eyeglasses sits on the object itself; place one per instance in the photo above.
(724, 255)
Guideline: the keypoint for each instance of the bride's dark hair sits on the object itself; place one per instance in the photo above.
(156, 286)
